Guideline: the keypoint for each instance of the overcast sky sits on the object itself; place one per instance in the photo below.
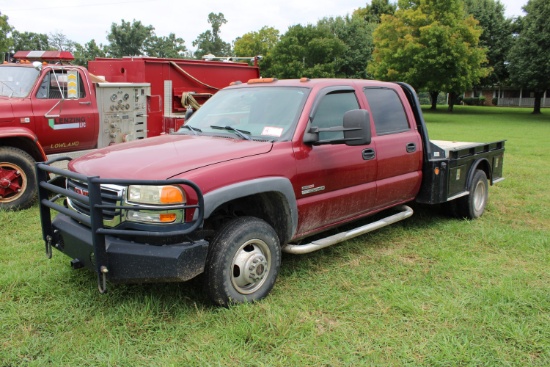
(83, 20)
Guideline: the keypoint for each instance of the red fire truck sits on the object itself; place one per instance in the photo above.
(49, 106)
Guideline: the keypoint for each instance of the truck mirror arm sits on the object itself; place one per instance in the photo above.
(312, 136)
(356, 129)
(48, 114)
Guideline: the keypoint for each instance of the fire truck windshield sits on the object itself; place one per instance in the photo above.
(17, 81)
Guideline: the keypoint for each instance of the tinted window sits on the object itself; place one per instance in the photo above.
(263, 112)
(330, 112)
(387, 111)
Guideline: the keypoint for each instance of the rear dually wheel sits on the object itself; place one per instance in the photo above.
(473, 205)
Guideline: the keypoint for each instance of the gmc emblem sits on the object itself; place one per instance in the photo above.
(80, 191)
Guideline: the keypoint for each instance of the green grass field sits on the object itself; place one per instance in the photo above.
(429, 291)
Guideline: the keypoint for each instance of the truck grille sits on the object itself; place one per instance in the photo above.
(110, 195)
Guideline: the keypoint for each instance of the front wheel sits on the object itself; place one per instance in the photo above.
(17, 179)
(473, 205)
(243, 262)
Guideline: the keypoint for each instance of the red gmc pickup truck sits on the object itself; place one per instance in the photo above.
(258, 170)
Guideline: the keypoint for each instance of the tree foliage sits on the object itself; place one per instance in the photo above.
(129, 39)
(89, 51)
(334, 47)
(496, 37)
(430, 44)
(5, 29)
(59, 41)
(372, 13)
(256, 43)
(171, 46)
(210, 42)
(530, 54)
(356, 34)
(306, 51)
(30, 41)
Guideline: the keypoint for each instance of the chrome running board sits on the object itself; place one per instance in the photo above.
(404, 213)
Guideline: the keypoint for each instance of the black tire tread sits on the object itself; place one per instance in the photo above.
(217, 286)
(27, 164)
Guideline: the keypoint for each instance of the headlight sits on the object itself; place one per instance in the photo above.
(155, 196)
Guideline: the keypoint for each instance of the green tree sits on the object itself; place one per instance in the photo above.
(129, 39)
(59, 41)
(210, 42)
(89, 51)
(356, 34)
(5, 29)
(372, 13)
(310, 51)
(496, 37)
(28, 41)
(256, 43)
(530, 55)
(432, 45)
(171, 47)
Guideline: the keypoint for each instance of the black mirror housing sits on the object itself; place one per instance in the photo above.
(357, 127)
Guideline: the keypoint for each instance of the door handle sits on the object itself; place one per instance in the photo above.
(411, 148)
(87, 103)
(369, 154)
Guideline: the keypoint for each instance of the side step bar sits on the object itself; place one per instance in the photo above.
(404, 213)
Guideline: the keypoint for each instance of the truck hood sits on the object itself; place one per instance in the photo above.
(165, 156)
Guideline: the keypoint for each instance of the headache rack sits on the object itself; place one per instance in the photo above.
(100, 203)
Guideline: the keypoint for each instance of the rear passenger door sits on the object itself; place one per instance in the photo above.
(398, 147)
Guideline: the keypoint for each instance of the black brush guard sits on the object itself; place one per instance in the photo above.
(97, 206)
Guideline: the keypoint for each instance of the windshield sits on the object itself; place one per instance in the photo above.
(17, 81)
(250, 113)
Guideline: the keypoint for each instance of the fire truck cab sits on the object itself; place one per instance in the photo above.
(49, 106)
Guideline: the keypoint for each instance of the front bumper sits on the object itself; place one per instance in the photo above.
(123, 253)
(128, 261)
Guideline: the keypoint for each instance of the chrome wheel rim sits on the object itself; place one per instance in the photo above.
(250, 266)
(479, 196)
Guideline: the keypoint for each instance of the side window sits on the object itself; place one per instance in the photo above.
(387, 111)
(59, 84)
(44, 89)
(330, 112)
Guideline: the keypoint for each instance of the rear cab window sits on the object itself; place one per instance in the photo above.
(387, 111)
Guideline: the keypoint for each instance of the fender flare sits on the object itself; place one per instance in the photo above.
(215, 198)
(488, 171)
(21, 134)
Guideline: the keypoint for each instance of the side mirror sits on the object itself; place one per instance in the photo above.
(188, 113)
(37, 65)
(357, 127)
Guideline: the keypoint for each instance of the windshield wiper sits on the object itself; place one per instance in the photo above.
(10, 88)
(194, 130)
(242, 133)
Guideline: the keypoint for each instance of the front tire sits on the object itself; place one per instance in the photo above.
(243, 262)
(17, 179)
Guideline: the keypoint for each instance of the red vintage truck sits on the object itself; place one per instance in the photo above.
(259, 169)
(55, 107)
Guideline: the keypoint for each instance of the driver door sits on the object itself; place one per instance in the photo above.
(65, 114)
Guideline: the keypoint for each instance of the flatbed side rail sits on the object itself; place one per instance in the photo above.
(478, 149)
(49, 194)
